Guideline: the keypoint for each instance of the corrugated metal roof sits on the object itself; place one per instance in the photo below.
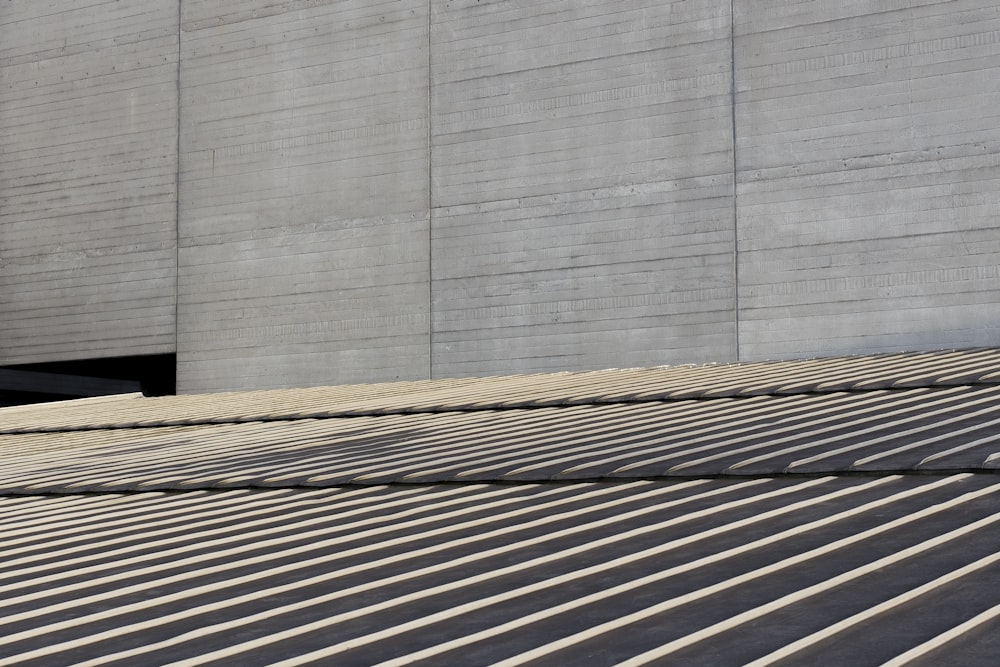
(837, 511)
(919, 429)
(474, 574)
(859, 373)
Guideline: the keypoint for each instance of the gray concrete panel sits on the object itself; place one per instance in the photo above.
(868, 182)
(88, 135)
(304, 194)
(582, 179)
(393, 190)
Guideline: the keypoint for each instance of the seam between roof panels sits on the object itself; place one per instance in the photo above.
(20, 493)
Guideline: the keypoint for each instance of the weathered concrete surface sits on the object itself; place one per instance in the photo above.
(88, 134)
(382, 190)
(868, 151)
(582, 182)
(304, 193)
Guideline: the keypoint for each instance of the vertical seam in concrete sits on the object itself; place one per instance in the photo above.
(177, 197)
(736, 238)
(430, 206)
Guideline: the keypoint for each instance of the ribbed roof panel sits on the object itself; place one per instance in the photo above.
(601, 573)
(839, 511)
(926, 429)
(861, 373)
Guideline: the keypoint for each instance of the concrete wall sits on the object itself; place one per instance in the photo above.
(868, 146)
(381, 190)
(88, 161)
(304, 193)
(567, 203)
(582, 185)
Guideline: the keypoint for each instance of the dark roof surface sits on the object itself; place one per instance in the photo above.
(832, 511)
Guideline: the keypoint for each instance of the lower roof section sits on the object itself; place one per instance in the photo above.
(766, 571)
(831, 511)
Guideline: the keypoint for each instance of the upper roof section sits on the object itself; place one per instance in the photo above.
(890, 414)
(668, 383)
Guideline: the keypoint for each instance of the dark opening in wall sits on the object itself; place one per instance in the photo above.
(153, 375)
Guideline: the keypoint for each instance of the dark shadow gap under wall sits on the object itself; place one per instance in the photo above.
(153, 375)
